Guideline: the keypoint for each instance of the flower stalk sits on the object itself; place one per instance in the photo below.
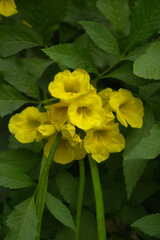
(80, 198)
(101, 225)
(43, 182)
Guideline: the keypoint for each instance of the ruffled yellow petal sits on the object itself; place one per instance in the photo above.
(80, 152)
(7, 8)
(86, 112)
(68, 131)
(47, 130)
(64, 153)
(128, 108)
(25, 125)
(68, 86)
(57, 114)
(102, 141)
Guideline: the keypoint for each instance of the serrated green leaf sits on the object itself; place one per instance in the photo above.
(43, 15)
(59, 211)
(68, 186)
(23, 221)
(148, 65)
(16, 38)
(147, 185)
(149, 90)
(10, 99)
(125, 74)
(148, 147)
(134, 168)
(101, 37)
(145, 21)
(149, 225)
(15, 73)
(116, 11)
(88, 229)
(13, 178)
(72, 56)
(36, 66)
(20, 158)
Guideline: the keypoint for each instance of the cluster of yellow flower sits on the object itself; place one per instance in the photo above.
(84, 117)
(7, 7)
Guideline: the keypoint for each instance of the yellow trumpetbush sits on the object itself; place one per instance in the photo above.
(105, 95)
(68, 86)
(7, 7)
(65, 152)
(69, 133)
(57, 114)
(86, 112)
(128, 108)
(102, 141)
(25, 125)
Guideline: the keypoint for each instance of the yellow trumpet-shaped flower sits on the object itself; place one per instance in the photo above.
(7, 7)
(25, 125)
(102, 141)
(86, 112)
(105, 95)
(128, 108)
(67, 150)
(57, 114)
(68, 86)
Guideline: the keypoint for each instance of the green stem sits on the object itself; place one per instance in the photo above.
(120, 59)
(43, 182)
(99, 199)
(80, 198)
(54, 100)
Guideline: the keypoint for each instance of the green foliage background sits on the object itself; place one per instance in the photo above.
(118, 43)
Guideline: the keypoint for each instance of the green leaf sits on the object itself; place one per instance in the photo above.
(15, 73)
(68, 186)
(148, 147)
(23, 221)
(36, 66)
(10, 99)
(13, 178)
(43, 15)
(147, 185)
(145, 21)
(149, 225)
(125, 74)
(88, 229)
(16, 38)
(59, 211)
(72, 56)
(148, 65)
(134, 168)
(20, 158)
(101, 37)
(149, 90)
(116, 11)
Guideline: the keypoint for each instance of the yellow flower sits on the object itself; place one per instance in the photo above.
(7, 7)
(102, 141)
(129, 109)
(68, 86)
(47, 130)
(105, 95)
(57, 114)
(86, 112)
(65, 152)
(25, 125)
